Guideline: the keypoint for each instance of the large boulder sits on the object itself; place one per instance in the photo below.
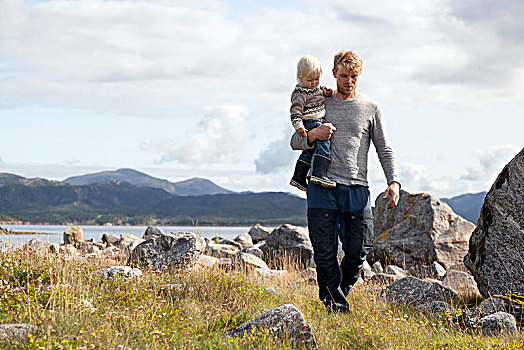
(172, 250)
(493, 305)
(496, 247)
(258, 233)
(498, 323)
(414, 291)
(460, 282)
(73, 235)
(282, 322)
(288, 243)
(420, 230)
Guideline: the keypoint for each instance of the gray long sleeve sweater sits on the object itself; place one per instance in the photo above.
(358, 121)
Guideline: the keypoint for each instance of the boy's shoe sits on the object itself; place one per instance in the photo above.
(299, 176)
(319, 174)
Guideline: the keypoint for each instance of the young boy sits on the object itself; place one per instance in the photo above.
(307, 112)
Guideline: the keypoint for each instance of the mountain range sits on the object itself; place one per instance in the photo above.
(127, 196)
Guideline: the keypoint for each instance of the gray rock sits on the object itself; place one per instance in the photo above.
(493, 305)
(283, 322)
(436, 270)
(366, 271)
(151, 232)
(435, 308)
(16, 334)
(207, 261)
(377, 267)
(265, 273)
(37, 245)
(109, 239)
(496, 247)
(244, 240)
(111, 272)
(288, 242)
(384, 278)
(227, 241)
(497, 323)
(420, 230)
(170, 250)
(395, 270)
(250, 262)
(128, 242)
(254, 251)
(460, 282)
(413, 291)
(222, 250)
(68, 250)
(258, 233)
(73, 235)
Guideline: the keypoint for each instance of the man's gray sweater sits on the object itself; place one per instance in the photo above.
(358, 121)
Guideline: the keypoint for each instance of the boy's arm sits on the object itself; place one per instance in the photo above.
(298, 100)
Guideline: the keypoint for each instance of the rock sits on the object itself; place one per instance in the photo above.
(87, 247)
(86, 304)
(282, 322)
(384, 278)
(437, 271)
(395, 270)
(377, 267)
(222, 250)
(16, 334)
(54, 248)
(460, 282)
(254, 251)
(244, 240)
(366, 271)
(207, 261)
(226, 241)
(151, 232)
(497, 323)
(258, 233)
(435, 308)
(128, 242)
(111, 272)
(110, 239)
(414, 291)
(68, 250)
(37, 245)
(496, 246)
(172, 250)
(288, 243)
(493, 305)
(265, 273)
(420, 230)
(251, 262)
(73, 235)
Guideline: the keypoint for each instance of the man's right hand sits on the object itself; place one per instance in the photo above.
(321, 132)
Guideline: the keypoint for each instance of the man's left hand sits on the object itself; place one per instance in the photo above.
(393, 191)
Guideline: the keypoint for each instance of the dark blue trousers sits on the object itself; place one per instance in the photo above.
(345, 212)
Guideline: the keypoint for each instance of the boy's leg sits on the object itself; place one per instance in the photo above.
(301, 170)
(321, 164)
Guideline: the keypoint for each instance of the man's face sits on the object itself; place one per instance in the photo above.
(347, 81)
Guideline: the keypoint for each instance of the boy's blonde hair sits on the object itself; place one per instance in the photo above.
(308, 66)
(348, 60)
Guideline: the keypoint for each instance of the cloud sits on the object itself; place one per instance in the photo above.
(491, 161)
(1, 160)
(276, 157)
(218, 137)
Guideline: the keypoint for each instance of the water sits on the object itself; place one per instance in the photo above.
(53, 233)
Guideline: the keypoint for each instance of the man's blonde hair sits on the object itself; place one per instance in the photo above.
(308, 66)
(348, 60)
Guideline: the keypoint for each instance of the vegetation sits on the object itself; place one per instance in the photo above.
(55, 294)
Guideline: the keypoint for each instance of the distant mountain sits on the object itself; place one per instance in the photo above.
(192, 187)
(119, 202)
(467, 205)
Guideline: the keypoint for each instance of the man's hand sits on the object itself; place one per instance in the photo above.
(301, 132)
(321, 132)
(393, 190)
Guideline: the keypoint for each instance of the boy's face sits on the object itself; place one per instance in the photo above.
(310, 82)
(347, 80)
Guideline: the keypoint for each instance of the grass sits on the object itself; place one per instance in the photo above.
(140, 314)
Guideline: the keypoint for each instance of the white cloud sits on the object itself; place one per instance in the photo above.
(491, 161)
(218, 137)
(276, 157)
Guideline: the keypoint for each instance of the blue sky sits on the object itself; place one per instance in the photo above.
(179, 89)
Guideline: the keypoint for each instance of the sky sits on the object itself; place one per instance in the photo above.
(181, 89)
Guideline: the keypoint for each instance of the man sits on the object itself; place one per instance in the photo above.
(353, 120)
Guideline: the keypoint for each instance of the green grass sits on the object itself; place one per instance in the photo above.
(139, 314)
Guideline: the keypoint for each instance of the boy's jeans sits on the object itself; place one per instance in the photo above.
(345, 212)
(321, 146)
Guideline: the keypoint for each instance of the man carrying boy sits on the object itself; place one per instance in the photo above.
(353, 120)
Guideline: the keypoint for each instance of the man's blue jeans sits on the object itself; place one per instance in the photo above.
(321, 146)
(345, 212)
